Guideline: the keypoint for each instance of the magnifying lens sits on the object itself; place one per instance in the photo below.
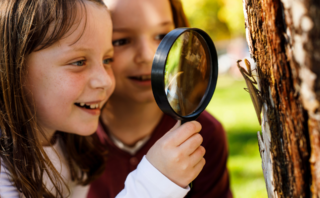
(184, 73)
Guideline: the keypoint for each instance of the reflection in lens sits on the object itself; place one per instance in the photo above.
(187, 73)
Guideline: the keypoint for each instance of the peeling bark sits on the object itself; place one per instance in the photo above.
(303, 26)
(264, 141)
(279, 37)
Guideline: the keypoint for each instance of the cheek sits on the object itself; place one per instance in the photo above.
(70, 89)
(60, 90)
(123, 60)
(53, 94)
(112, 81)
(74, 82)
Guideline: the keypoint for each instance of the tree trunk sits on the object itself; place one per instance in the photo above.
(284, 41)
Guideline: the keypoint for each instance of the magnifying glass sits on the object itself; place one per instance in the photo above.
(184, 73)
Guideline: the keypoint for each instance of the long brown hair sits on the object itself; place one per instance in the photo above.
(24, 28)
(179, 17)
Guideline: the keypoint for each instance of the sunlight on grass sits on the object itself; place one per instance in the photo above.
(232, 106)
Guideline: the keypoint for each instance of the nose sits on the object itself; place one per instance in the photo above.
(145, 51)
(102, 77)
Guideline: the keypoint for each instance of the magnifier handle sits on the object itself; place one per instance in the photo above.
(182, 122)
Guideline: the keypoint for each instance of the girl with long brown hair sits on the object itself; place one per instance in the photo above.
(55, 75)
(138, 27)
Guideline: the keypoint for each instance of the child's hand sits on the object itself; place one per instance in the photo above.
(179, 154)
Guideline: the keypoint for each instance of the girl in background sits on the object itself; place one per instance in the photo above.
(131, 121)
(55, 75)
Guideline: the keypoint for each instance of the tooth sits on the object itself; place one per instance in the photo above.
(146, 77)
(97, 106)
(82, 104)
(92, 106)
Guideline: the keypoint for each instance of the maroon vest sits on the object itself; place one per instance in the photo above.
(213, 181)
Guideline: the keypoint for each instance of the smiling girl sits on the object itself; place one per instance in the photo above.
(55, 75)
(138, 28)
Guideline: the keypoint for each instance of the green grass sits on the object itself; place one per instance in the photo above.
(232, 106)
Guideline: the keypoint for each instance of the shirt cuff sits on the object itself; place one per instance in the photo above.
(158, 180)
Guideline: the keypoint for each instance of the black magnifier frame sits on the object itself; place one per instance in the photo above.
(158, 73)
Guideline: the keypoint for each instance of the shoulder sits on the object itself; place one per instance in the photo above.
(214, 135)
(7, 188)
(213, 181)
(207, 119)
(211, 127)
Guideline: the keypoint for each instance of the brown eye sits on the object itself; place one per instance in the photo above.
(120, 42)
(160, 36)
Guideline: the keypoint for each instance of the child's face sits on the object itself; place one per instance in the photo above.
(72, 72)
(138, 27)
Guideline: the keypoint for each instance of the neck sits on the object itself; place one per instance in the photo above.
(131, 121)
(46, 141)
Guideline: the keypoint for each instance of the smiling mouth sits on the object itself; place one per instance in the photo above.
(88, 106)
(141, 78)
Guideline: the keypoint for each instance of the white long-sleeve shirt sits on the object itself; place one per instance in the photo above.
(144, 182)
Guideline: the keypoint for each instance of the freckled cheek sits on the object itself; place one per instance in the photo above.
(70, 86)
(76, 81)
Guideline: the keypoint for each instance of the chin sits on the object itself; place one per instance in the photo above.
(144, 98)
(86, 130)
(87, 133)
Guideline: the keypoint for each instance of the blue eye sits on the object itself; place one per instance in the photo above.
(79, 63)
(107, 61)
(120, 42)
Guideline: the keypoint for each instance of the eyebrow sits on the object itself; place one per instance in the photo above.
(166, 23)
(110, 50)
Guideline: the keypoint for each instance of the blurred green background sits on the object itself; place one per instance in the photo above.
(223, 20)
(233, 107)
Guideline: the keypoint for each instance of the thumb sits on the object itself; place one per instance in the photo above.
(175, 126)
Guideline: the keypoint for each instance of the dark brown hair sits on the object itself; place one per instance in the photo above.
(24, 28)
(179, 17)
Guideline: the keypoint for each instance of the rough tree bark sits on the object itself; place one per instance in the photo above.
(284, 41)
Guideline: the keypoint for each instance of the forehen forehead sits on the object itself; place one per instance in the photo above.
(87, 26)
(126, 13)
